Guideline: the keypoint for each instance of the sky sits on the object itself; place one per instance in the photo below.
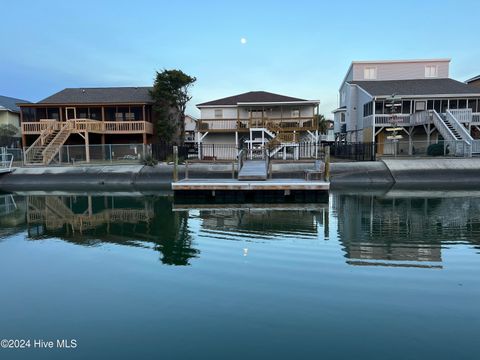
(298, 48)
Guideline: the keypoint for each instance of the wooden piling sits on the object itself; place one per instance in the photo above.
(327, 163)
(175, 163)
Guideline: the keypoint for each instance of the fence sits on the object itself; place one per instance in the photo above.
(422, 148)
(354, 151)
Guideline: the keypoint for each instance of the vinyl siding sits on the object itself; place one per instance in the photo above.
(400, 70)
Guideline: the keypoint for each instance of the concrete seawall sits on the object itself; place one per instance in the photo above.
(421, 172)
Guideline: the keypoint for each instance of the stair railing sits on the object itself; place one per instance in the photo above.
(29, 152)
(460, 147)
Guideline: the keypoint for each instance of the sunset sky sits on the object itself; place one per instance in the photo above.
(297, 48)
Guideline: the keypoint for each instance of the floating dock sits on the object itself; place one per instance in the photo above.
(240, 191)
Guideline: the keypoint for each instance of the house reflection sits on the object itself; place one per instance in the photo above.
(403, 231)
(263, 221)
(133, 221)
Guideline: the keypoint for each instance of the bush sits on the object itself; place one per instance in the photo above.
(437, 149)
(148, 160)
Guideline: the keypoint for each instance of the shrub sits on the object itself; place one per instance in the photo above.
(148, 160)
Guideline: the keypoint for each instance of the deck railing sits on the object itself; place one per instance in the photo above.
(462, 115)
(244, 124)
(400, 119)
(80, 125)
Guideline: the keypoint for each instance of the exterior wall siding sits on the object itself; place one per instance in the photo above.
(400, 70)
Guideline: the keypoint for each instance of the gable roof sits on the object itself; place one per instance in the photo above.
(475, 78)
(112, 95)
(252, 97)
(10, 104)
(416, 87)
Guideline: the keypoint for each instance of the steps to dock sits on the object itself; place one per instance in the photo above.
(253, 170)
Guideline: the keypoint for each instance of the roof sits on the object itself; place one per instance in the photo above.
(416, 87)
(400, 61)
(252, 97)
(10, 104)
(341, 108)
(113, 95)
(475, 78)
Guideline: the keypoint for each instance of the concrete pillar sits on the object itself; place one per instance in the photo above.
(87, 147)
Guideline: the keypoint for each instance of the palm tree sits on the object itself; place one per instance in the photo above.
(322, 123)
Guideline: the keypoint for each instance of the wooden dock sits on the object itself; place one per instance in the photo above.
(233, 184)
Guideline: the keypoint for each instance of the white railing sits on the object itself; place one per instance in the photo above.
(453, 120)
(459, 147)
(461, 115)
(399, 119)
(476, 147)
(6, 161)
(420, 118)
(476, 118)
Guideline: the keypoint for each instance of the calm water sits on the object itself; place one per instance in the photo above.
(127, 277)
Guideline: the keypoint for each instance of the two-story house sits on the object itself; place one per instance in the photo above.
(428, 106)
(111, 115)
(257, 120)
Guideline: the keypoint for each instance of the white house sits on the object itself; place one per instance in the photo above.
(429, 106)
(258, 119)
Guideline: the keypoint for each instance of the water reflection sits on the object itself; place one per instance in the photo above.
(373, 230)
(404, 231)
(134, 221)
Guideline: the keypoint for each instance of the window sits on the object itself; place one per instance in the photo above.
(218, 113)
(370, 73)
(431, 71)
(379, 107)
(406, 107)
(368, 109)
(342, 117)
(343, 97)
(295, 113)
(462, 104)
(453, 104)
(436, 106)
(472, 104)
(430, 105)
(419, 106)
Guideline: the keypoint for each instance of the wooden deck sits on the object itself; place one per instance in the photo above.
(226, 184)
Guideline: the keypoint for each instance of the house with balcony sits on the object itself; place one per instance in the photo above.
(10, 115)
(88, 116)
(257, 120)
(428, 107)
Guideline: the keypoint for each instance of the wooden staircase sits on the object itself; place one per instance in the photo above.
(48, 144)
(452, 128)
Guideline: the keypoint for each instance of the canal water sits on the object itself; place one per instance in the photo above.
(125, 276)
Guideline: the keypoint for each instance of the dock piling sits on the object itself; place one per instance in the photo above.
(175, 163)
(327, 163)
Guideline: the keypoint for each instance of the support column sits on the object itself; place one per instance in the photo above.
(87, 147)
(144, 138)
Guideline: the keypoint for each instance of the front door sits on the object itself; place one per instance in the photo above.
(70, 113)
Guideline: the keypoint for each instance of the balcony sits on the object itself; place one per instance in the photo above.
(245, 124)
(93, 126)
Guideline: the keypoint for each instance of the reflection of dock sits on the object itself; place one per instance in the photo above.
(54, 213)
(7, 205)
(252, 206)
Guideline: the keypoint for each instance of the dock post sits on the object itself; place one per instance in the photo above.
(186, 169)
(233, 170)
(327, 163)
(175, 163)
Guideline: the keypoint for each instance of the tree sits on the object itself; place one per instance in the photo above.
(170, 96)
(322, 123)
(7, 131)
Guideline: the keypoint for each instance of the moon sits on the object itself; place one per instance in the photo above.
(243, 41)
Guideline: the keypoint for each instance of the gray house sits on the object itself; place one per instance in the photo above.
(428, 105)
